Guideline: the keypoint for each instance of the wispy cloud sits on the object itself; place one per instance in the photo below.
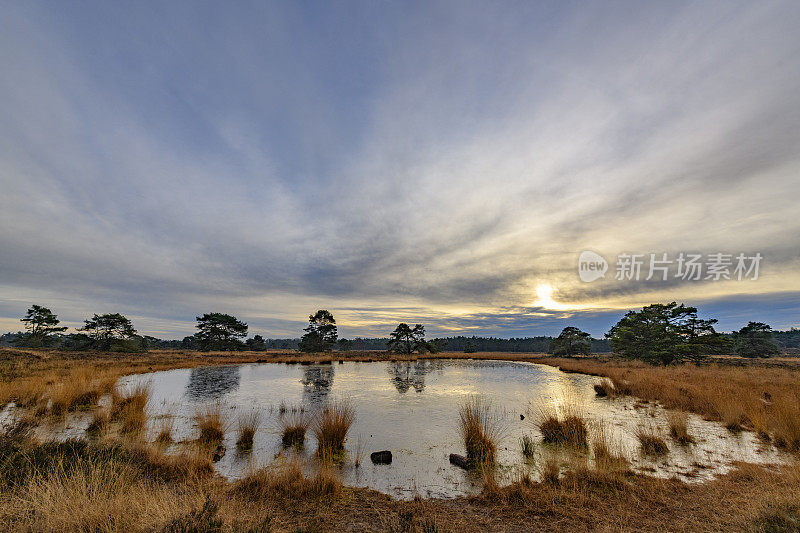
(431, 162)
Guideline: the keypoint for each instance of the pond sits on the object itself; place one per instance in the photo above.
(411, 409)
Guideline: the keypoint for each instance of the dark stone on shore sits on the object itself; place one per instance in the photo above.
(219, 453)
(522, 417)
(383, 457)
(459, 460)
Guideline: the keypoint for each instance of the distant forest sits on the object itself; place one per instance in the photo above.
(784, 339)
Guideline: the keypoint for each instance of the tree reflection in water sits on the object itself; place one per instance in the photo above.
(407, 374)
(212, 382)
(317, 382)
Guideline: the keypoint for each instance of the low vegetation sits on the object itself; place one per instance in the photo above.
(651, 441)
(211, 423)
(479, 429)
(293, 429)
(679, 427)
(247, 427)
(331, 426)
(287, 480)
(565, 425)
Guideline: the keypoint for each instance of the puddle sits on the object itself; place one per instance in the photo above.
(411, 408)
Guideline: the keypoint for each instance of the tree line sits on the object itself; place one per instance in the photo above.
(658, 333)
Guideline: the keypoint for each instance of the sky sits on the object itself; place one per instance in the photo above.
(443, 163)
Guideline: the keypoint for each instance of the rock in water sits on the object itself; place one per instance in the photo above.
(383, 457)
(459, 460)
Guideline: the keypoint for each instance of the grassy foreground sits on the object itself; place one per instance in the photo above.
(118, 482)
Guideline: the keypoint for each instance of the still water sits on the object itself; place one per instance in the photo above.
(411, 409)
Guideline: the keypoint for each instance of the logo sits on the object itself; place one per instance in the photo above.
(591, 266)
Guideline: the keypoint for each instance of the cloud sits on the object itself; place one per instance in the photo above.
(437, 161)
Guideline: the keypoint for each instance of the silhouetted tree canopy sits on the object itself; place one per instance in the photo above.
(256, 344)
(218, 331)
(755, 340)
(321, 333)
(571, 341)
(109, 331)
(665, 333)
(40, 323)
(405, 339)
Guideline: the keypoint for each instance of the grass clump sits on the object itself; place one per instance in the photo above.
(247, 427)
(678, 427)
(784, 414)
(331, 427)
(651, 441)
(567, 427)
(604, 389)
(129, 408)
(100, 422)
(211, 424)
(166, 425)
(479, 430)
(286, 479)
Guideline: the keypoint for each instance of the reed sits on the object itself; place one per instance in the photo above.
(479, 426)
(566, 425)
(248, 424)
(211, 423)
(331, 426)
(651, 441)
(784, 416)
(100, 422)
(679, 427)
(166, 426)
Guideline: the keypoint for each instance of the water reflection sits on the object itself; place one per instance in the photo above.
(407, 374)
(211, 382)
(317, 382)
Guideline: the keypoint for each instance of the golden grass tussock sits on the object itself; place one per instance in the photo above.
(331, 426)
(679, 427)
(286, 479)
(480, 430)
(563, 425)
(248, 424)
(605, 389)
(607, 452)
(784, 420)
(211, 423)
(93, 497)
(164, 430)
(293, 429)
(100, 422)
(651, 440)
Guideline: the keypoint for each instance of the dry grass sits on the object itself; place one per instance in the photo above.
(480, 430)
(100, 422)
(331, 426)
(763, 398)
(679, 427)
(608, 455)
(651, 441)
(287, 480)
(564, 425)
(248, 424)
(129, 407)
(750, 498)
(785, 422)
(93, 497)
(211, 423)
(166, 426)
